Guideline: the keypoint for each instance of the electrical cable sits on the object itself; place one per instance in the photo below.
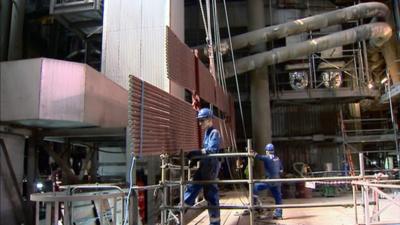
(204, 17)
(133, 159)
(234, 70)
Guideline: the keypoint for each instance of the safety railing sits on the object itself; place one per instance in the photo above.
(104, 206)
(167, 210)
(172, 212)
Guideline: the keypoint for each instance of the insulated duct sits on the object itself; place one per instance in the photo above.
(376, 33)
(360, 11)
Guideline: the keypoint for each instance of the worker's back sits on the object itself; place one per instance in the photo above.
(272, 165)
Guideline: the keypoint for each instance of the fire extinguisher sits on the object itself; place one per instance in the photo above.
(141, 199)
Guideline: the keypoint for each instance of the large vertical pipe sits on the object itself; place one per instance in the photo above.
(396, 14)
(259, 87)
(16, 30)
(392, 63)
(5, 11)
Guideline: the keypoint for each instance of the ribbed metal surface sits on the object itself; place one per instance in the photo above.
(222, 100)
(133, 41)
(315, 155)
(164, 124)
(206, 85)
(181, 67)
(225, 131)
(180, 62)
(300, 120)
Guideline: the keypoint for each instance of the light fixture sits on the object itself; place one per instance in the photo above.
(370, 85)
(384, 80)
(39, 185)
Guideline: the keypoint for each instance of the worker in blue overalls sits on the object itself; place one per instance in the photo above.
(209, 167)
(273, 168)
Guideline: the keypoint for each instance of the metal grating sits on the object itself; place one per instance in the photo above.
(180, 62)
(165, 124)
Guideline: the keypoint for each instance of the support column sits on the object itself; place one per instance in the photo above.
(259, 88)
(16, 30)
(5, 12)
(391, 59)
(31, 172)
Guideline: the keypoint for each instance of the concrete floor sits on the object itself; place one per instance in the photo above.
(300, 216)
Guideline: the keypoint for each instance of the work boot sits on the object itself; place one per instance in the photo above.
(277, 215)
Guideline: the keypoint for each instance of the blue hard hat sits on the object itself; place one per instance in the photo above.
(269, 147)
(204, 113)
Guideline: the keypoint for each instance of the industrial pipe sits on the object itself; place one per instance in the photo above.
(5, 16)
(16, 30)
(396, 14)
(356, 12)
(376, 33)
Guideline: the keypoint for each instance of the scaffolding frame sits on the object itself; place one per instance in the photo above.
(360, 180)
(52, 201)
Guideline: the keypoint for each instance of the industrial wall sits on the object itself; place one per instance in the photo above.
(15, 148)
(316, 155)
(134, 34)
(302, 120)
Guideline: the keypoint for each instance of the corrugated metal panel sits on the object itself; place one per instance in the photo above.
(177, 20)
(206, 84)
(222, 100)
(134, 40)
(226, 131)
(300, 120)
(153, 57)
(180, 62)
(315, 155)
(167, 124)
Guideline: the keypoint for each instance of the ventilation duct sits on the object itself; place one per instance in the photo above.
(376, 33)
(360, 11)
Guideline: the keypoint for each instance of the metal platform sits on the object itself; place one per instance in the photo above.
(326, 94)
(84, 17)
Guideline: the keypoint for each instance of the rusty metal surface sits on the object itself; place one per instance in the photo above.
(165, 124)
(222, 100)
(206, 85)
(161, 123)
(55, 94)
(180, 62)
